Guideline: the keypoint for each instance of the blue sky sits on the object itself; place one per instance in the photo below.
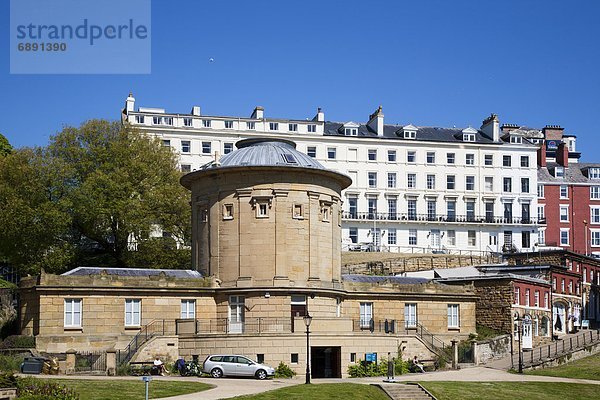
(440, 63)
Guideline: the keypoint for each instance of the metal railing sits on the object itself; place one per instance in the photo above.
(371, 325)
(434, 343)
(159, 327)
(467, 218)
(90, 361)
(249, 325)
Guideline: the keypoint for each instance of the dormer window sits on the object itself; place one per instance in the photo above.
(559, 172)
(409, 132)
(187, 122)
(229, 124)
(273, 126)
(593, 173)
(468, 134)
(351, 131)
(139, 119)
(516, 139)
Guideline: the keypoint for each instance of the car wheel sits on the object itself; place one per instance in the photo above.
(261, 374)
(216, 373)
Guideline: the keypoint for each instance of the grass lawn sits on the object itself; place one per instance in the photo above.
(108, 389)
(325, 391)
(511, 390)
(586, 368)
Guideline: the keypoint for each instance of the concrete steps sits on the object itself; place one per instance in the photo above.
(400, 391)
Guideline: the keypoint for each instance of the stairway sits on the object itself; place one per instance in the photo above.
(401, 391)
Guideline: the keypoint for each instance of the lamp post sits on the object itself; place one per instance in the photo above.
(519, 329)
(307, 321)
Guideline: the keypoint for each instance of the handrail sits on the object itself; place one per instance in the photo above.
(157, 327)
(434, 343)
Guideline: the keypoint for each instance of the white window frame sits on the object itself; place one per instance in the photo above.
(392, 236)
(595, 215)
(410, 315)
(133, 312)
(564, 191)
(595, 192)
(73, 313)
(540, 191)
(595, 238)
(366, 314)
(470, 159)
(566, 241)
(188, 309)
(331, 153)
(372, 154)
(392, 156)
(391, 180)
(453, 316)
(411, 156)
(411, 181)
(563, 213)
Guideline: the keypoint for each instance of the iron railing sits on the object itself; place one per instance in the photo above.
(249, 325)
(435, 344)
(90, 361)
(158, 327)
(431, 217)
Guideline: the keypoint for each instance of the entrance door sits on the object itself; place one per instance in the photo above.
(236, 314)
(326, 362)
(435, 239)
(527, 333)
(558, 312)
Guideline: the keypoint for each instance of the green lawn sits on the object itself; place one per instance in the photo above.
(325, 391)
(586, 368)
(114, 389)
(511, 390)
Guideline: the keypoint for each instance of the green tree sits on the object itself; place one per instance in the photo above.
(105, 187)
(5, 147)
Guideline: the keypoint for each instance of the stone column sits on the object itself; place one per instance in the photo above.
(111, 362)
(475, 349)
(70, 364)
(455, 354)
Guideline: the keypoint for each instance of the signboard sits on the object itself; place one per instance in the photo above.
(552, 144)
(527, 333)
(371, 357)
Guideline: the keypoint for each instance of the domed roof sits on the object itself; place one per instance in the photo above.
(265, 152)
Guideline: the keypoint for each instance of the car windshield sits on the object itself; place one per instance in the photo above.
(243, 360)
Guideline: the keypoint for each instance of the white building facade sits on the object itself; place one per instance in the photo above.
(414, 189)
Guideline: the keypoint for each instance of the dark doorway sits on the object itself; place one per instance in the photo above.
(326, 362)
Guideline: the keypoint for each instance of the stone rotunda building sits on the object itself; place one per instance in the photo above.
(266, 248)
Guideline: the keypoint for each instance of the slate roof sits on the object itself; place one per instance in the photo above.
(402, 280)
(574, 173)
(141, 272)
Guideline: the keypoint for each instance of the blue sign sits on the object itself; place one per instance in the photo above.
(371, 357)
(552, 144)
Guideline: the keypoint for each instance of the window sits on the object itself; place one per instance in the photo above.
(564, 213)
(391, 180)
(472, 238)
(430, 182)
(488, 160)
(412, 210)
(410, 134)
(412, 237)
(541, 212)
(133, 312)
(372, 154)
(450, 182)
(166, 143)
(228, 124)
(517, 299)
(311, 151)
(507, 184)
(352, 357)
(372, 207)
(536, 298)
(451, 210)
(331, 153)
(227, 148)
(430, 157)
(293, 127)
(524, 161)
(594, 173)
(411, 157)
(506, 161)
(516, 139)
(139, 119)
(431, 210)
(293, 358)
(570, 287)
(273, 126)
(187, 122)
(562, 285)
(206, 147)
(488, 183)
(564, 237)
(559, 172)
(250, 126)
(372, 178)
(451, 238)
(411, 181)
(594, 192)
(470, 182)
(527, 297)
(564, 192)
(185, 146)
(391, 235)
(540, 191)
(410, 315)
(72, 313)
(227, 211)
(524, 185)
(450, 158)
(595, 215)
(392, 155)
(206, 123)
(595, 238)
(186, 168)
(489, 213)
(297, 212)
(168, 120)
(366, 314)
(453, 312)
(392, 208)
(546, 299)
(312, 128)
(325, 212)
(470, 159)
(262, 209)
(468, 137)
(188, 309)
(353, 234)
(470, 207)
(508, 212)
(351, 131)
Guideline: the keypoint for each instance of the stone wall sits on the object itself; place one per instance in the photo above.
(494, 305)
(166, 348)
(492, 349)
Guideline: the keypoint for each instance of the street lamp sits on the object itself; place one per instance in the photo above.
(307, 321)
(520, 333)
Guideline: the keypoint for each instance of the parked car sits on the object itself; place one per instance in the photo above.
(234, 365)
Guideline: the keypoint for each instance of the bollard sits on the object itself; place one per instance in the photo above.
(147, 380)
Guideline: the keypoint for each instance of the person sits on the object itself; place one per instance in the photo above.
(417, 364)
(159, 366)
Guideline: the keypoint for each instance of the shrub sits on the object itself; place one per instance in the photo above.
(362, 369)
(8, 380)
(124, 369)
(283, 371)
(34, 389)
(19, 342)
(10, 362)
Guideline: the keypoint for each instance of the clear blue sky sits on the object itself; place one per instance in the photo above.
(440, 63)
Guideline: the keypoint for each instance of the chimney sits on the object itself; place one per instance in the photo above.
(541, 155)
(129, 103)
(491, 127)
(320, 117)
(376, 121)
(258, 113)
(196, 110)
(562, 154)
(553, 132)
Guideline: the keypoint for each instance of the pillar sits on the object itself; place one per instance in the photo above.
(70, 364)
(455, 354)
(111, 362)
